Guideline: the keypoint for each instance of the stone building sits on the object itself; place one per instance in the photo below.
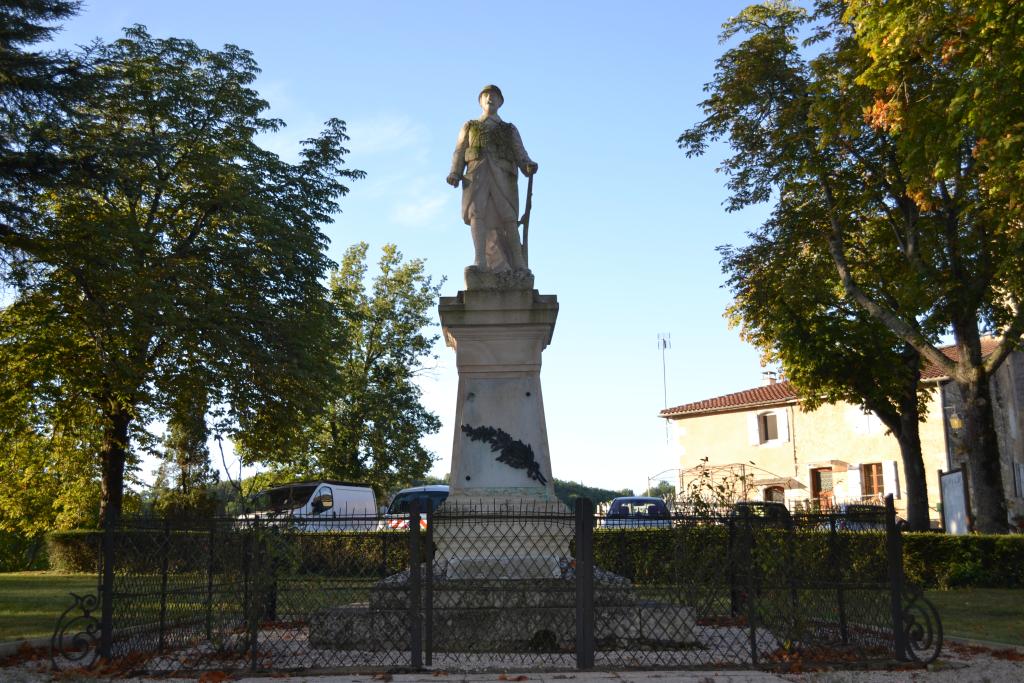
(838, 453)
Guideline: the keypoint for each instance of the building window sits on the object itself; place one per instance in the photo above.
(774, 494)
(872, 485)
(768, 427)
(821, 487)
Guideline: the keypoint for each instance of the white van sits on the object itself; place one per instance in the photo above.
(318, 505)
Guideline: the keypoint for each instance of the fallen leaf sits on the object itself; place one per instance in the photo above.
(213, 677)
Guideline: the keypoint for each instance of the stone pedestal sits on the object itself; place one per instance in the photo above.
(501, 466)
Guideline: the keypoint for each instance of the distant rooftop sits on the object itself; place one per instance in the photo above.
(783, 393)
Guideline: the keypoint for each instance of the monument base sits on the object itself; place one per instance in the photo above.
(516, 536)
(501, 519)
(507, 616)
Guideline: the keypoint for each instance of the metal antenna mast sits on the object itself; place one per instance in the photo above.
(664, 343)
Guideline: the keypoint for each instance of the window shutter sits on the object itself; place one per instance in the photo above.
(1019, 471)
(890, 478)
(853, 485)
(753, 435)
(782, 419)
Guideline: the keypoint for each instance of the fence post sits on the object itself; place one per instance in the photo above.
(835, 560)
(584, 583)
(164, 552)
(796, 622)
(107, 586)
(428, 589)
(415, 632)
(253, 591)
(731, 564)
(751, 586)
(894, 547)
(385, 540)
(209, 581)
(273, 541)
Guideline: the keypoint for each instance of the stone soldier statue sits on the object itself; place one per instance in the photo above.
(488, 156)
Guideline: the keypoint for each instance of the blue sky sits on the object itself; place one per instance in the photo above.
(624, 226)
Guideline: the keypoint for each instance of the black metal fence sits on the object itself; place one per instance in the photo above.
(500, 587)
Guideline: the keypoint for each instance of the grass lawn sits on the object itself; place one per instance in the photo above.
(30, 602)
(995, 614)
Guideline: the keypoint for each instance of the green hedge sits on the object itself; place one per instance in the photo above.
(21, 553)
(142, 551)
(930, 560)
(649, 556)
(73, 551)
(706, 555)
(976, 561)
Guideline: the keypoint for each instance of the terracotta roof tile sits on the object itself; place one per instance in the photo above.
(988, 345)
(770, 394)
(782, 393)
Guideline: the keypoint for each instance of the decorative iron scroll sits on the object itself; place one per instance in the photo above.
(76, 637)
(921, 626)
(512, 452)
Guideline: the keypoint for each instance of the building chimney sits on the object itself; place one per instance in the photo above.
(768, 377)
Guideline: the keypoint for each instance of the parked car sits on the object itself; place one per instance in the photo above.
(860, 517)
(430, 496)
(637, 512)
(317, 505)
(774, 514)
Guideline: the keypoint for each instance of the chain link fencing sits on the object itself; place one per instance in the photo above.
(497, 587)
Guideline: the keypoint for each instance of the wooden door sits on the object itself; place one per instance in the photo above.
(821, 487)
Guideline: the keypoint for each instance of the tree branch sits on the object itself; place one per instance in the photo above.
(884, 315)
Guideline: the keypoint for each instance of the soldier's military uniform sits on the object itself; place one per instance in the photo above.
(488, 157)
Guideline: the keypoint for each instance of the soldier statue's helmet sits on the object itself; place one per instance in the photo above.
(492, 89)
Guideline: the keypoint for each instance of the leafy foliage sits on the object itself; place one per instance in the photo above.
(664, 490)
(34, 87)
(370, 426)
(569, 491)
(918, 247)
(709, 490)
(186, 462)
(929, 560)
(174, 253)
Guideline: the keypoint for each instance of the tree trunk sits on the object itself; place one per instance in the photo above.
(986, 477)
(113, 454)
(914, 472)
(904, 421)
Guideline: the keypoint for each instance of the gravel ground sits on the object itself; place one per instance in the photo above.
(959, 663)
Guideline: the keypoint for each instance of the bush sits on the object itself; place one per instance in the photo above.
(706, 554)
(143, 551)
(703, 553)
(975, 561)
(699, 553)
(73, 551)
(21, 553)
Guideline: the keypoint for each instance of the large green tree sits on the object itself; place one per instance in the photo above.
(45, 482)
(186, 459)
(373, 421)
(34, 85)
(175, 252)
(829, 349)
(915, 242)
